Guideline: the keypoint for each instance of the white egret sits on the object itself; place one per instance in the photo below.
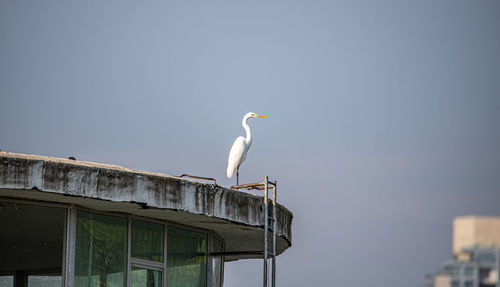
(240, 148)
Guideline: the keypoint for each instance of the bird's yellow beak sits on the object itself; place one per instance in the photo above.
(260, 116)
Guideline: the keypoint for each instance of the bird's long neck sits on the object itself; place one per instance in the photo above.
(248, 139)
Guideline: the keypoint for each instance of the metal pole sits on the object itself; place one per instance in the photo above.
(265, 230)
(273, 282)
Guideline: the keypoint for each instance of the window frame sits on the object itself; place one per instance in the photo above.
(137, 262)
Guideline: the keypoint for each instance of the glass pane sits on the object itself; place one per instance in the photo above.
(31, 239)
(468, 271)
(142, 277)
(44, 281)
(216, 263)
(6, 281)
(101, 250)
(186, 258)
(147, 240)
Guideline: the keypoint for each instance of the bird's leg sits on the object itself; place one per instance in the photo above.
(237, 176)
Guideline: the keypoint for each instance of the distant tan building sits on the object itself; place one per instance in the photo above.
(442, 280)
(472, 231)
(476, 255)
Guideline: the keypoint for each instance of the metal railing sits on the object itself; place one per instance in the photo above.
(266, 185)
(199, 177)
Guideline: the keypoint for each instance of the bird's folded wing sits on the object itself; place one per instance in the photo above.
(236, 156)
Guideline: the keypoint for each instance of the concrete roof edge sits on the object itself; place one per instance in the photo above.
(120, 184)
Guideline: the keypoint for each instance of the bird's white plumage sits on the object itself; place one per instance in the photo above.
(237, 155)
(240, 147)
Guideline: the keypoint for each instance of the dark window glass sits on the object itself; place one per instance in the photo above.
(486, 257)
(101, 250)
(468, 271)
(142, 277)
(147, 240)
(186, 258)
(31, 240)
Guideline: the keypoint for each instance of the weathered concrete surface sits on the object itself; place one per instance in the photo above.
(236, 216)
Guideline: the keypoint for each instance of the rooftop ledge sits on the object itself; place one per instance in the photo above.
(236, 216)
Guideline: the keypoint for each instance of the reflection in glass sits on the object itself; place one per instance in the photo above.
(186, 258)
(147, 240)
(45, 281)
(215, 263)
(142, 277)
(6, 281)
(101, 250)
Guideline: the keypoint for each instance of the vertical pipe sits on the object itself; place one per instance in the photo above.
(265, 230)
(273, 282)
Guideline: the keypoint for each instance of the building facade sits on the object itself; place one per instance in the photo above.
(476, 255)
(71, 223)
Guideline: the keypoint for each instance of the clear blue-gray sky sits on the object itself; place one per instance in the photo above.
(383, 115)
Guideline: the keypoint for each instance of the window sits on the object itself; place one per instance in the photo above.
(31, 244)
(486, 256)
(6, 280)
(159, 254)
(147, 240)
(44, 280)
(186, 258)
(143, 277)
(147, 254)
(468, 271)
(101, 250)
(102, 257)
